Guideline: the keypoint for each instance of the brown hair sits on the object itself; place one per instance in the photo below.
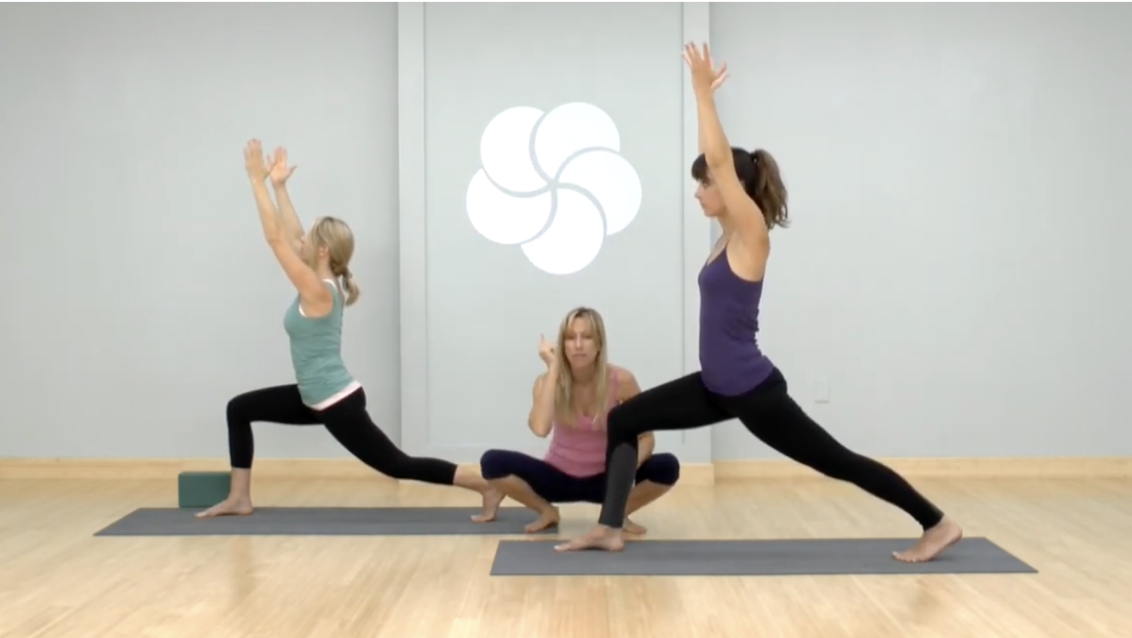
(758, 172)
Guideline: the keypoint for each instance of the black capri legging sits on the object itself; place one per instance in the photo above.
(347, 421)
(555, 486)
(771, 415)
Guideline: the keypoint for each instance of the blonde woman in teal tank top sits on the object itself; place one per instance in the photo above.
(325, 393)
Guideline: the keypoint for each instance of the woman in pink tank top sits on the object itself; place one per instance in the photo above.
(570, 402)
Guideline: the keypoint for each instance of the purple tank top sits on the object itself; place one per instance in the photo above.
(730, 360)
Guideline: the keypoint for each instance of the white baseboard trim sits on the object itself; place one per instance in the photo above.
(691, 473)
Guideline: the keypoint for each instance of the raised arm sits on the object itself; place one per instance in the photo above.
(748, 220)
(542, 394)
(542, 403)
(280, 173)
(314, 294)
(627, 388)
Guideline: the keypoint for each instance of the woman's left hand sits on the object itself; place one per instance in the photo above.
(254, 162)
(280, 171)
(705, 78)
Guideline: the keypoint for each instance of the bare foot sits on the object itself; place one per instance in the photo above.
(228, 507)
(491, 500)
(545, 520)
(600, 537)
(632, 528)
(945, 534)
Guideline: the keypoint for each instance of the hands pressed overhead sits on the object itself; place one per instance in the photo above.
(325, 392)
(260, 168)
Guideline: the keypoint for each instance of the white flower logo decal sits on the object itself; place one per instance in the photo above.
(553, 183)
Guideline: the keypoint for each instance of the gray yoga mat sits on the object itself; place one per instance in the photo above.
(322, 521)
(808, 557)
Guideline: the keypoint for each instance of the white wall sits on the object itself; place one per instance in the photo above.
(955, 268)
(473, 309)
(952, 270)
(139, 293)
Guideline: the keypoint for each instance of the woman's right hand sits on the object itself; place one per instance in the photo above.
(546, 351)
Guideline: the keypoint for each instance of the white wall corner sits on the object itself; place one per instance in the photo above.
(697, 229)
(412, 227)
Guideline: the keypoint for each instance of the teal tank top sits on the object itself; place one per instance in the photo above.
(316, 350)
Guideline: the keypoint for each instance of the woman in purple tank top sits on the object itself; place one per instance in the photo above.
(744, 192)
(569, 403)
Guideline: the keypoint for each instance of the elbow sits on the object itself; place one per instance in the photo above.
(540, 427)
(275, 239)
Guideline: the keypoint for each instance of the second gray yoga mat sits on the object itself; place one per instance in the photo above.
(805, 557)
(322, 521)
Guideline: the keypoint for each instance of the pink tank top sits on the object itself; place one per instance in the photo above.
(580, 450)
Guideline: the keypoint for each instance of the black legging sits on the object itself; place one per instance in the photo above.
(556, 486)
(770, 414)
(347, 421)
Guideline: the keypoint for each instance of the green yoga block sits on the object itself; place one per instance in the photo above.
(202, 489)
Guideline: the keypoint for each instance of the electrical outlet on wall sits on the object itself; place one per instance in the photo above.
(821, 390)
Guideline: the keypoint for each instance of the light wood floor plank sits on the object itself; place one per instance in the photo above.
(58, 581)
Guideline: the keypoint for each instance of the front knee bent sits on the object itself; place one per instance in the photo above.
(236, 412)
(621, 425)
(494, 465)
(663, 469)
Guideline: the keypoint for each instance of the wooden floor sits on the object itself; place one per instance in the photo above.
(57, 580)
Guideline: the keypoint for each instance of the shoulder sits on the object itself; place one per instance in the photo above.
(538, 381)
(619, 374)
(624, 381)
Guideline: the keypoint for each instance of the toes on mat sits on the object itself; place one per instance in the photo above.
(814, 557)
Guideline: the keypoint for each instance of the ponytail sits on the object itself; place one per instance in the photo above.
(347, 277)
(767, 189)
(352, 291)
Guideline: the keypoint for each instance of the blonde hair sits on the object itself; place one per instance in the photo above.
(336, 236)
(564, 393)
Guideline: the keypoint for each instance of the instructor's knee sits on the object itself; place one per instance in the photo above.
(494, 464)
(663, 469)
